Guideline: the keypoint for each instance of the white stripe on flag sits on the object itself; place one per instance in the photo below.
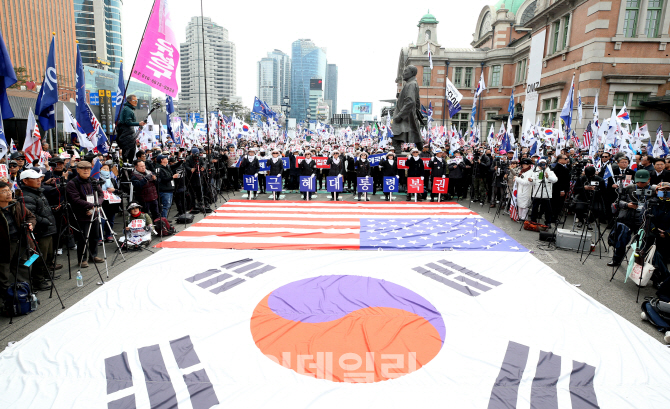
(269, 230)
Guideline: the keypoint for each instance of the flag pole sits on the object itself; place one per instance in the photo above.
(125, 91)
(204, 67)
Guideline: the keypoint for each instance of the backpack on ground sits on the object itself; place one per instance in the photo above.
(16, 300)
(534, 226)
(163, 227)
(185, 218)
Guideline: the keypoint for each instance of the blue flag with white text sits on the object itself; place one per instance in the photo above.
(82, 112)
(120, 93)
(45, 108)
(7, 79)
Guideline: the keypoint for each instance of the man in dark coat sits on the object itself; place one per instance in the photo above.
(336, 168)
(145, 183)
(406, 125)
(45, 229)
(438, 169)
(80, 193)
(307, 168)
(250, 167)
(562, 187)
(125, 130)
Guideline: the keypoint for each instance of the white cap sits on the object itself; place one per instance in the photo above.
(30, 174)
(437, 150)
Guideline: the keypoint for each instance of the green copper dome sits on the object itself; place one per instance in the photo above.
(428, 19)
(511, 5)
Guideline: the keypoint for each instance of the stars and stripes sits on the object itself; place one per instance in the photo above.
(240, 224)
(586, 137)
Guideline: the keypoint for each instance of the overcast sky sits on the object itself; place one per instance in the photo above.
(362, 37)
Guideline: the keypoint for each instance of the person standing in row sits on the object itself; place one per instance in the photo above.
(362, 171)
(276, 167)
(308, 168)
(389, 168)
(438, 169)
(250, 167)
(415, 165)
(336, 169)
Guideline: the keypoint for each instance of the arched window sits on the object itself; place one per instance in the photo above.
(528, 13)
(486, 24)
(428, 35)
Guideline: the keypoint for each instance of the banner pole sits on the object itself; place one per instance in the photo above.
(204, 65)
(125, 91)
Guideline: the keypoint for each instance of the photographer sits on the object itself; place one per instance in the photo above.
(44, 229)
(621, 174)
(543, 179)
(499, 184)
(481, 171)
(456, 168)
(179, 192)
(631, 207)
(660, 229)
(145, 183)
(82, 199)
(13, 215)
(166, 184)
(562, 187)
(125, 128)
(589, 195)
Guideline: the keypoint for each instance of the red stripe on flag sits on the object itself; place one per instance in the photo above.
(187, 233)
(253, 246)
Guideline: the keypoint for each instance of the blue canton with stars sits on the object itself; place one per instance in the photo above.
(435, 234)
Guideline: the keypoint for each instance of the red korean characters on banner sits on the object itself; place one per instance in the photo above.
(401, 163)
(3, 170)
(425, 163)
(414, 185)
(440, 185)
(320, 161)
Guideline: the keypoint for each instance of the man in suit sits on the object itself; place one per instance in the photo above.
(659, 174)
(562, 187)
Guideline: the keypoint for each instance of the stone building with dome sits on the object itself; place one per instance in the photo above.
(614, 49)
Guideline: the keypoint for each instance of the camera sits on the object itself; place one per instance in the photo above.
(595, 183)
(643, 192)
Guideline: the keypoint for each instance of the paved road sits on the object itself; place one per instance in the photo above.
(592, 278)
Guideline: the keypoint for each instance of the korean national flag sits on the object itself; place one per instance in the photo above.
(250, 183)
(334, 184)
(391, 184)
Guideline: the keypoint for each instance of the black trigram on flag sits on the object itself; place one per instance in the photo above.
(459, 278)
(544, 394)
(237, 272)
(158, 382)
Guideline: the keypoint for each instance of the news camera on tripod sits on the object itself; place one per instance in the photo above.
(588, 204)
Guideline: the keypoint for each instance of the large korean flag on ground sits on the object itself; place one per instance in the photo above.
(219, 328)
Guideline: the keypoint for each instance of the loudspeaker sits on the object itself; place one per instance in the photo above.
(547, 236)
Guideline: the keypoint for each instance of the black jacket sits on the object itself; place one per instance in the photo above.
(438, 168)
(388, 169)
(307, 169)
(415, 167)
(563, 184)
(351, 165)
(37, 203)
(585, 198)
(124, 129)
(335, 169)
(628, 216)
(456, 171)
(483, 166)
(663, 177)
(276, 169)
(165, 181)
(249, 167)
(77, 190)
(362, 168)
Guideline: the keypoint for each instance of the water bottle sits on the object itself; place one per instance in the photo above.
(80, 279)
(33, 302)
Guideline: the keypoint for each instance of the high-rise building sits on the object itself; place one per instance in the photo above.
(268, 81)
(331, 86)
(284, 65)
(307, 62)
(315, 96)
(274, 78)
(219, 65)
(27, 27)
(98, 30)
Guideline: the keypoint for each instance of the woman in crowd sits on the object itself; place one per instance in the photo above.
(362, 171)
(336, 169)
(308, 168)
(389, 168)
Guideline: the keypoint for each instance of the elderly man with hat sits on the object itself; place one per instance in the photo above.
(166, 184)
(45, 230)
(336, 169)
(84, 197)
(415, 165)
(438, 169)
(388, 168)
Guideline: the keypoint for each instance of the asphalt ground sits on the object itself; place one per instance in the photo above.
(592, 276)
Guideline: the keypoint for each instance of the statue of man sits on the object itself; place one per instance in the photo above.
(406, 126)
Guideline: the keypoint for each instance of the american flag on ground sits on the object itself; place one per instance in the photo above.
(268, 225)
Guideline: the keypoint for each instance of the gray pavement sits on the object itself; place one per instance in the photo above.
(592, 277)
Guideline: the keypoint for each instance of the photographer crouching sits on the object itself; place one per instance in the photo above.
(80, 193)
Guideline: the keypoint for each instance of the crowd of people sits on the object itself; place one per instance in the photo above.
(540, 187)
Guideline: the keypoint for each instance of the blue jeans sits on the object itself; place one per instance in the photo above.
(166, 201)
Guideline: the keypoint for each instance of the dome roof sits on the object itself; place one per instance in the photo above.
(511, 5)
(428, 19)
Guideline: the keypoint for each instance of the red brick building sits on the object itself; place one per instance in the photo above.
(616, 49)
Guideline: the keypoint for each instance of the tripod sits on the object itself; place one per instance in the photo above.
(586, 223)
(97, 214)
(46, 267)
(504, 202)
(542, 189)
(65, 231)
